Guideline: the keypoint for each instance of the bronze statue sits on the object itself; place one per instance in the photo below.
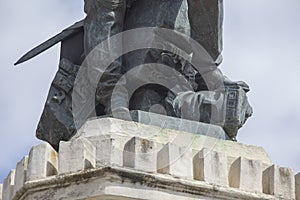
(200, 20)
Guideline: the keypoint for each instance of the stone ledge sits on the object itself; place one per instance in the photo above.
(111, 179)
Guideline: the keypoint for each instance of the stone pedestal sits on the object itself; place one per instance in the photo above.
(116, 159)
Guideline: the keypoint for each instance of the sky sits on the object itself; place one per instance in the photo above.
(261, 47)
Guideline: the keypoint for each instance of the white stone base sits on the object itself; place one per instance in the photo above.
(122, 131)
(115, 159)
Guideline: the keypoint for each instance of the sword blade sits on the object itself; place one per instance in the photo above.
(77, 27)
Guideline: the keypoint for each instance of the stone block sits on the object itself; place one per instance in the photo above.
(1, 187)
(279, 181)
(21, 171)
(246, 175)
(175, 160)
(109, 149)
(8, 186)
(104, 126)
(211, 166)
(297, 180)
(174, 123)
(76, 156)
(140, 154)
(42, 162)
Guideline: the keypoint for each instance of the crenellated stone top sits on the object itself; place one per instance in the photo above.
(112, 158)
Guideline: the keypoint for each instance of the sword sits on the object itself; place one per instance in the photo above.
(65, 34)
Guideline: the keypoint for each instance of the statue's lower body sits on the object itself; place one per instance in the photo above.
(212, 98)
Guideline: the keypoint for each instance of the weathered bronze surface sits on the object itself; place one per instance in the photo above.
(199, 19)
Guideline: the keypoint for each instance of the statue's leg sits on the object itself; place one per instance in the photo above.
(206, 19)
(105, 18)
(167, 14)
(199, 19)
